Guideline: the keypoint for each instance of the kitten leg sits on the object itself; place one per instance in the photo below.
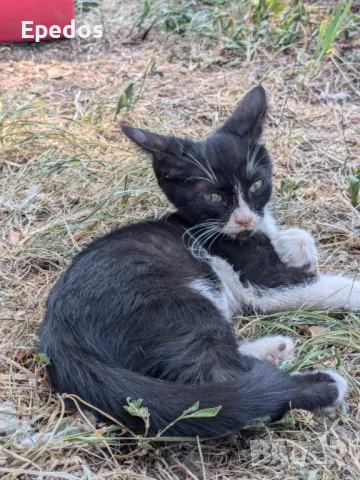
(294, 246)
(326, 292)
(269, 348)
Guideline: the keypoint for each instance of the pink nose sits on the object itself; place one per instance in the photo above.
(244, 221)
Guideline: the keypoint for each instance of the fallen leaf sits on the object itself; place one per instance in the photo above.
(100, 432)
(83, 99)
(300, 326)
(101, 138)
(45, 384)
(318, 330)
(21, 355)
(55, 73)
(14, 237)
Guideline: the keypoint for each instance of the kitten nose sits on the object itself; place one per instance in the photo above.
(244, 221)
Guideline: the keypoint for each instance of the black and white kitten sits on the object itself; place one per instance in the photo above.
(145, 311)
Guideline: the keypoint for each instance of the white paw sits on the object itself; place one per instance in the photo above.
(338, 292)
(296, 248)
(269, 348)
(341, 384)
(354, 297)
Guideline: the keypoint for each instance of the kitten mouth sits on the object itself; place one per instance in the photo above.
(240, 234)
(244, 234)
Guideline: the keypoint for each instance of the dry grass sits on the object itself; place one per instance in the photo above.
(68, 174)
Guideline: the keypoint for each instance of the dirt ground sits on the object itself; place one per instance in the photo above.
(68, 174)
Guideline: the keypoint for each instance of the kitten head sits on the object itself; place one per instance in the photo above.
(223, 181)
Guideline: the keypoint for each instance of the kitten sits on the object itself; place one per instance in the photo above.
(145, 311)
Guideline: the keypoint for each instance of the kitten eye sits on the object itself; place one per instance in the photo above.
(213, 197)
(256, 186)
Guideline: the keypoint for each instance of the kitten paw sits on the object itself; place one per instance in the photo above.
(331, 377)
(352, 302)
(341, 384)
(296, 248)
(269, 348)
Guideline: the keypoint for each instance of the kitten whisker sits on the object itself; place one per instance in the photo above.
(196, 243)
(198, 229)
(206, 237)
(261, 166)
(209, 166)
(201, 228)
(251, 160)
(220, 233)
(210, 174)
(205, 234)
(198, 178)
(206, 222)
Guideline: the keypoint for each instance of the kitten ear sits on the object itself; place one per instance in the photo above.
(249, 116)
(168, 161)
(151, 142)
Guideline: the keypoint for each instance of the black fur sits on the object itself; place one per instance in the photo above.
(122, 320)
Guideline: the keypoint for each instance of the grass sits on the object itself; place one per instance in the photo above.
(68, 175)
(329, 29)
(249, 27)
